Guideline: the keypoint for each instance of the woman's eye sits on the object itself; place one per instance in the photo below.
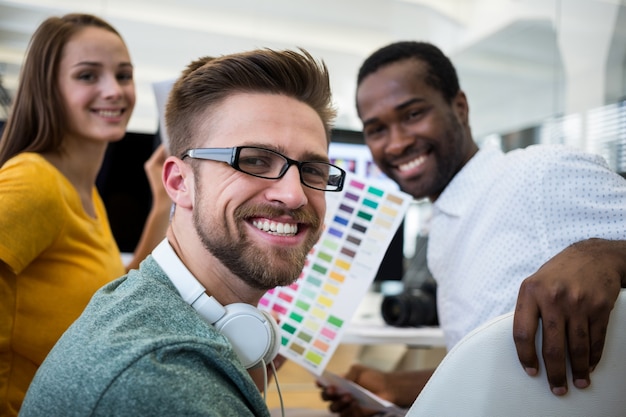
(127, 76)
(86, 76)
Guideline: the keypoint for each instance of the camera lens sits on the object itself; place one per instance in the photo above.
(410, 309)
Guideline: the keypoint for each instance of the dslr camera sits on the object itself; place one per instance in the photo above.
(416, 305)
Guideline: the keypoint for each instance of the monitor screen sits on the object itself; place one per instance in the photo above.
(124, 188)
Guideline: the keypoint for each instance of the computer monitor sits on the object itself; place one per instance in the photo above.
(124, 188)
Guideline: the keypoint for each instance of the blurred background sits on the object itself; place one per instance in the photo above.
(549, 71)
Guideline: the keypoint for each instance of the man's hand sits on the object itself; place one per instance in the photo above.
(573, 294)
(344, 404)
(398, 387)
(153, 168)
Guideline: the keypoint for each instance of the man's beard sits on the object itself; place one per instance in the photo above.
(448, 163)
(261, 267)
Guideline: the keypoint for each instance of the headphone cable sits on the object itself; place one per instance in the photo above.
(280, 395)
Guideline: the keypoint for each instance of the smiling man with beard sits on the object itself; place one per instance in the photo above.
(181, 336)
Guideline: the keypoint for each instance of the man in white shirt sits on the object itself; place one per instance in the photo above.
(512, 231)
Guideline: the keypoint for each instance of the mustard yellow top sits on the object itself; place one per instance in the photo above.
(59, 256)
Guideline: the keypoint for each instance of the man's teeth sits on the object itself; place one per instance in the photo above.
(276, 228)
(109, 113)
(412, 164)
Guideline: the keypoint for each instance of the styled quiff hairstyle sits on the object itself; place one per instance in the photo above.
(38, 119)
(207, 82)
(440, 73)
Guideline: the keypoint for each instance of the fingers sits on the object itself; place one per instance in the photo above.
(525, 324)
(154, 164)
(354, 372)
(153, 168)
(563, 335)
(279, 361)
(573, 293)
(339, 403)
(578, 340)
(586, 341)
(597, 337)
(554, 351)
(156, 159)
(344, 403)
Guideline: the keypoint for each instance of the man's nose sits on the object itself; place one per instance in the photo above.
(289, 189)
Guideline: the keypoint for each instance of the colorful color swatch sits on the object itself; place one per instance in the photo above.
(360, 224)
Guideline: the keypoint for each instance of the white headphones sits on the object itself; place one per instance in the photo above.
(254, 334)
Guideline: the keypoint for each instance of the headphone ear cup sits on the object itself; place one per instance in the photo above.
(274, 346)
(253, 333)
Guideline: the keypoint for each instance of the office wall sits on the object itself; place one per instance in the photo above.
(520, 61)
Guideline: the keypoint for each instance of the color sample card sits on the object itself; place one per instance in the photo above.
(314, 311)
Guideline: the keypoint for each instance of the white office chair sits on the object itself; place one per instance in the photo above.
(482, 376)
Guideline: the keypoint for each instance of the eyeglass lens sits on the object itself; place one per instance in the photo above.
(268, 164)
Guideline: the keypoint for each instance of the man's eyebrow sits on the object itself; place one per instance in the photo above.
(315, 158)
(310, 156)
(400, 106)
(307, 156)
(408, 103)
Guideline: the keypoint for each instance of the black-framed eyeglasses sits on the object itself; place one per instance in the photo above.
(271, 165)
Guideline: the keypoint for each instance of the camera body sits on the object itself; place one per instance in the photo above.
(416, 305)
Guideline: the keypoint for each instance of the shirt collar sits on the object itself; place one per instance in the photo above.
(468, 184)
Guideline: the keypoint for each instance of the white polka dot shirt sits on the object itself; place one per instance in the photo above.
(504, 215)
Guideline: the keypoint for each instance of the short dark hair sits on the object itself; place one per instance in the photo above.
(441, 74)
(208, 81)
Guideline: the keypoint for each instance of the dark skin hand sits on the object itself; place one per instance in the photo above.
(573, 293)
(398, 387)
(344, 404)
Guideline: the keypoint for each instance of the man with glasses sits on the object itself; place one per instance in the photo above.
(249, 136)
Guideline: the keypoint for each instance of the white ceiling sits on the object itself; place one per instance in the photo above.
(502, 48)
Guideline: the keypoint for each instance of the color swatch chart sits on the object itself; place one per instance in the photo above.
(315, 310)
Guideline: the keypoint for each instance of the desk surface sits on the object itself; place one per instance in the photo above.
(368, 328)
(362, 334)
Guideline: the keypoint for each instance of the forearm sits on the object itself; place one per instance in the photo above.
(407, 385)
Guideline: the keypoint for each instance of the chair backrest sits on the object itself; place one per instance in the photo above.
(482, 376)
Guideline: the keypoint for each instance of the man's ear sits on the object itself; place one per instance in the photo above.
(461, 107)
(178, 181)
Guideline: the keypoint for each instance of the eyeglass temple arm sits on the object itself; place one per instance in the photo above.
(216, 154)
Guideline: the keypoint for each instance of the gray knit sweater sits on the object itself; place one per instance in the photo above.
(139, 350)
